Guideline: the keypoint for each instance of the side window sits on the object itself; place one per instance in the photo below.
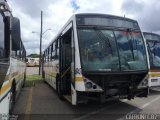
(48, 54)
(44, 57)
(23, 54)
(20, 51)
(57, 48)
(2, 37)
(53, 50)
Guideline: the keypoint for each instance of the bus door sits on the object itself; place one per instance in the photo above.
(65, 61)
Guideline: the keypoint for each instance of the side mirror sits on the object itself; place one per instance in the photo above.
(4, 7)
(16, 34)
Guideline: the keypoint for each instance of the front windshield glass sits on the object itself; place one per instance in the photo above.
(108, 50)
(98, 50)
(154, 53)
(131, 50)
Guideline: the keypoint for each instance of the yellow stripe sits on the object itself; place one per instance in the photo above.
(78, 78)
(8, 85)
(4, 88)
(154, 75)
(29, 105)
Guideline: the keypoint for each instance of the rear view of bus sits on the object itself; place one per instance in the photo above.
(113, 57)
(153, 44)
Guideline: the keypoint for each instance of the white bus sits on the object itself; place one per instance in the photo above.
(97, 57)
(32, 62)
(12, 60)
(153, 44)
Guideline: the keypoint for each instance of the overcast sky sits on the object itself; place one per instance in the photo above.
(57, 12)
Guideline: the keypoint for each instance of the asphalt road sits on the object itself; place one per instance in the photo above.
(40, 102)
(32, 70)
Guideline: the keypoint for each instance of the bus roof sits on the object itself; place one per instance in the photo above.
(74, 16)
(104, 15)
(155, 36)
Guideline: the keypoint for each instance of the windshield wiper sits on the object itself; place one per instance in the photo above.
(104, 38)
(154, 43)
(130, 42)
(150, 53)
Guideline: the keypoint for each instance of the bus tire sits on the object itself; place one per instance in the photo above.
(58, 88)
(12, 97)
(24, 80)
(43, 77)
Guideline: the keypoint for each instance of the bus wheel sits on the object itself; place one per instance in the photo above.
(12, 99)
(24, 80)
(43, 77)
(58, 88)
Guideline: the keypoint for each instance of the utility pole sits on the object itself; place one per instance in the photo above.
(40, 47)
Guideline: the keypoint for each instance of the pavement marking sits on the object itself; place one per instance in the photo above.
(95, 112)
(139, 108)
(29, 105)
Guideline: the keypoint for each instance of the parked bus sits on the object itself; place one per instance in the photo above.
(12, 60)
(153, 44)
(97, 57)
(32, 62)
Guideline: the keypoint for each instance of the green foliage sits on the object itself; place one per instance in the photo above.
(33, 55)
(33, 77)
(31, 80)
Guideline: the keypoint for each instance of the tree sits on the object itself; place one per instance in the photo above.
(33, 55)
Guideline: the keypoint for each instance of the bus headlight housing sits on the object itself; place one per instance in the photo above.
(143, 83)
(91, 86)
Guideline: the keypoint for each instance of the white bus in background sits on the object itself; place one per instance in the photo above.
(153, 44)
(32, 62)
(97, 57)
(12, 61)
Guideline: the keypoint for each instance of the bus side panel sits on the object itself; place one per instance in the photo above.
(5, 98)
(51, 71)
(17, 70)
(154, 79)
(4, 107)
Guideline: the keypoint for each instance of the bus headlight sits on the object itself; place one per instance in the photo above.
(91, 86)
(143, 83)
(88, 85)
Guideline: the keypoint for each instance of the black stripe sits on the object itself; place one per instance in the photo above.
(4, 96)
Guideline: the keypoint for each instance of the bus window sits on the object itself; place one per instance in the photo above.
(2, 37)
(130, 49)
(98, 50)
(66, 49)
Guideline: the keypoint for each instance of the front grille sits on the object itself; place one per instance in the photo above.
(116, 80)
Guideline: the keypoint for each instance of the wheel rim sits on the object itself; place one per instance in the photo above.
(58, 87)
(11, 102)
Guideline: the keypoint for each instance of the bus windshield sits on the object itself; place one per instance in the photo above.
(108, 50)
(154, 53)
